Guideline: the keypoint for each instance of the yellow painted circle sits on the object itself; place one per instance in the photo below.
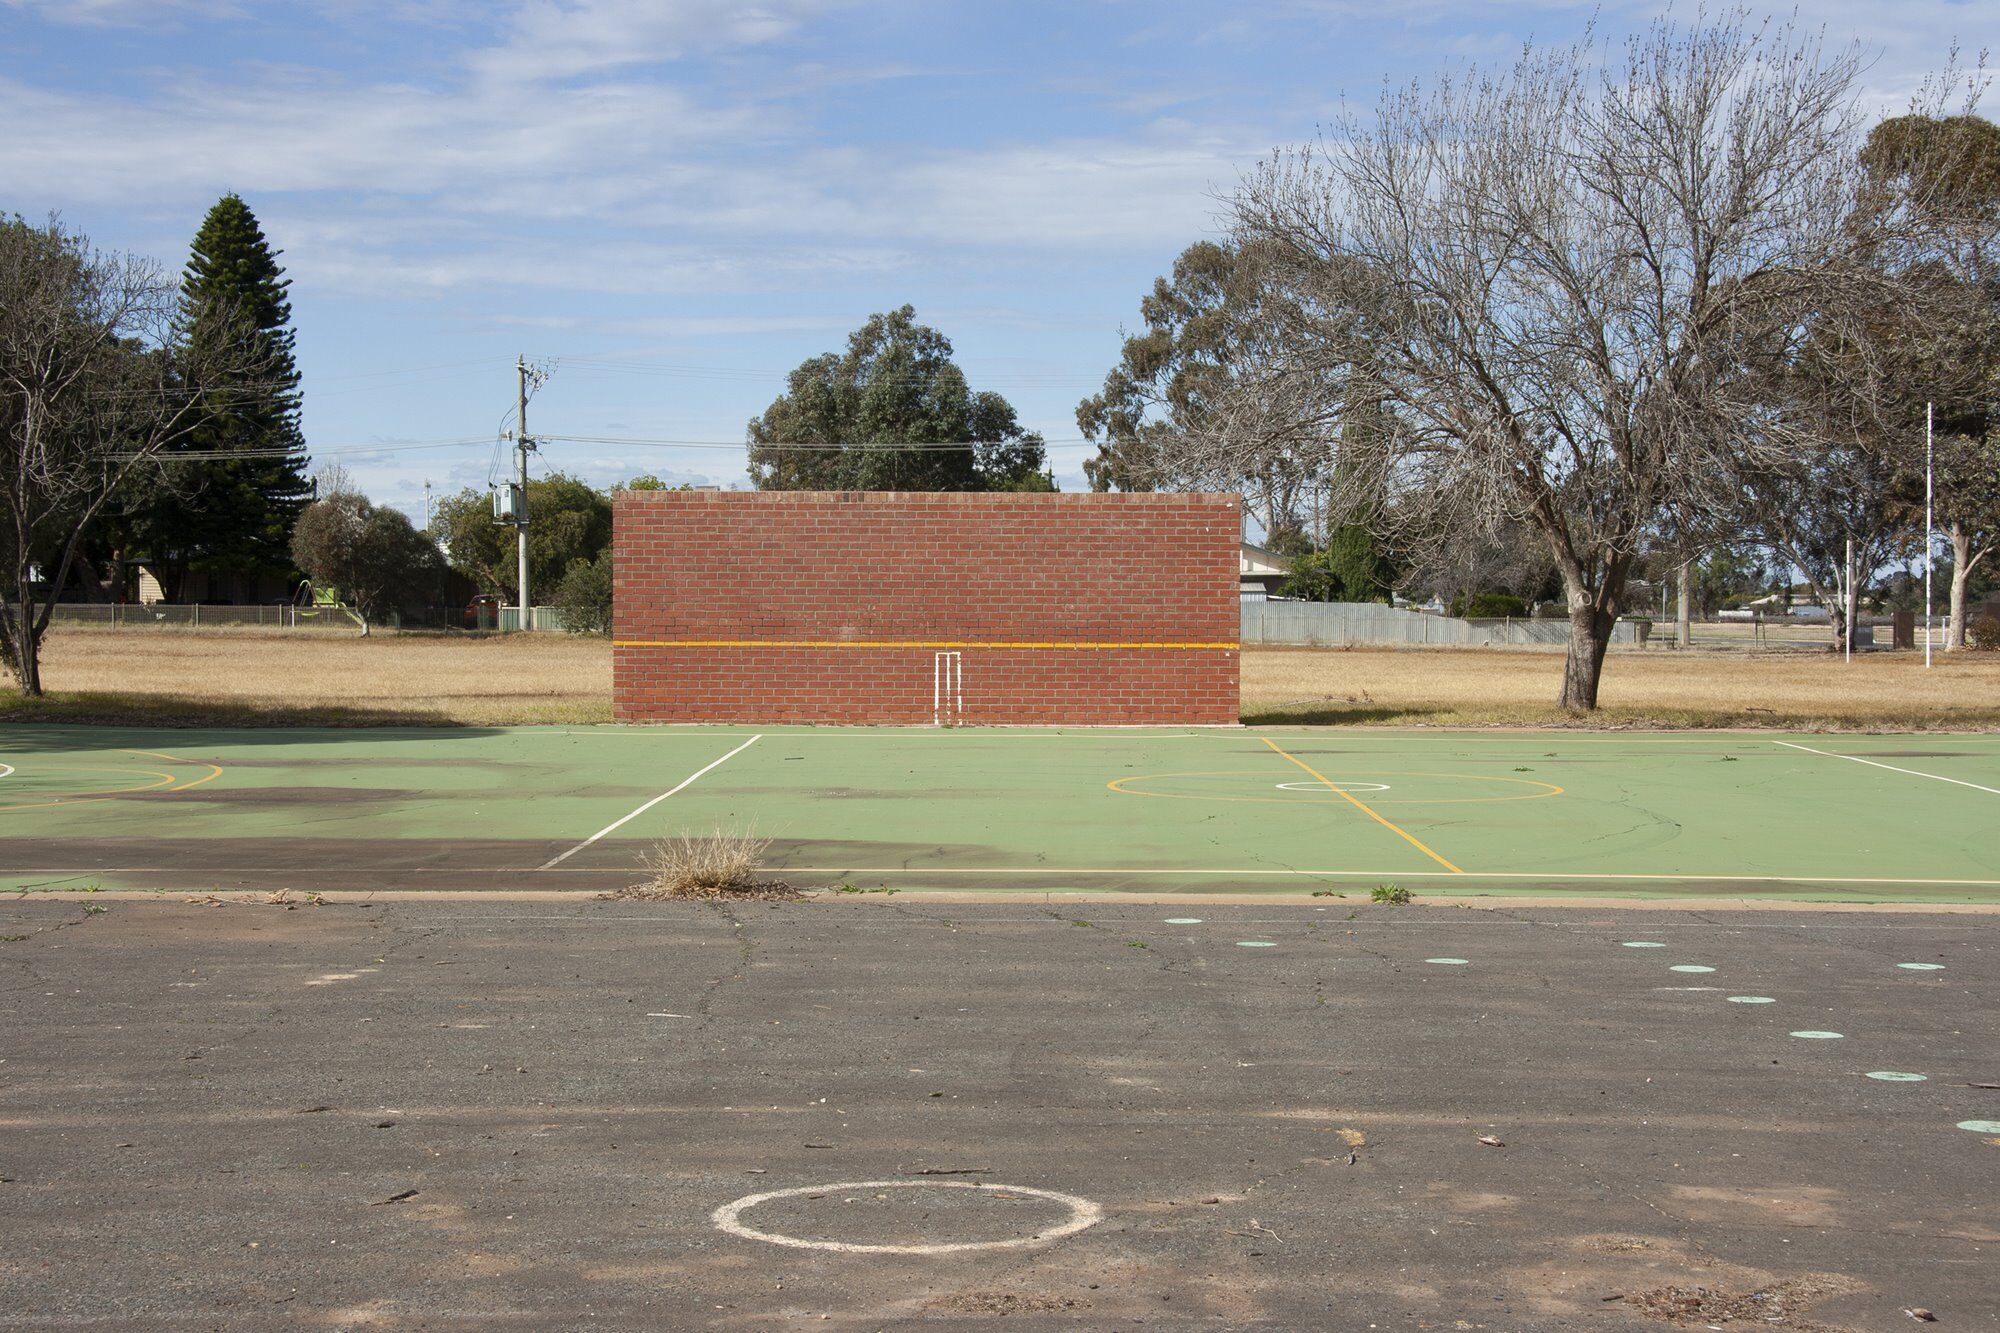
(165, 783)
(1275, 780)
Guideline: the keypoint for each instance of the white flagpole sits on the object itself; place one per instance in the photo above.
(1930, 534)
(1848, 610)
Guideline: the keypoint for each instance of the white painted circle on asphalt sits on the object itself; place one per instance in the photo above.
(1333, 786)
(1981, 1126)
(1447, 962)
(1751, 999)
(1255, 944)
(1644, 944)
(1891, 1076)
(1810, 1035)
(1689, 967)
(1183, 920)
(1921, 967)
(1082, 1213)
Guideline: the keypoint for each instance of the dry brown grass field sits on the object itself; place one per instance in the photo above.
(247, 676)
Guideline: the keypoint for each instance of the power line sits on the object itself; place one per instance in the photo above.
(225, 455)
(899, 446)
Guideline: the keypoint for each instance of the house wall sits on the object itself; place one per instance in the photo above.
(807, 606)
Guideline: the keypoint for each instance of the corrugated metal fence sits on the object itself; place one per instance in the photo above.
(1356, 624)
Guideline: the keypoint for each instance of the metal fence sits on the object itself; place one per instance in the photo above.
(193, 615)
(1359, 624)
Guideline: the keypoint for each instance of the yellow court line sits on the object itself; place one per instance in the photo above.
(890, 643)
(165, 786)
(214, 770)
(1118, 785)
(1365, 809)
(83, 797)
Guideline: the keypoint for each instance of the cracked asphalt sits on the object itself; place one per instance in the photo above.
(525, 1114)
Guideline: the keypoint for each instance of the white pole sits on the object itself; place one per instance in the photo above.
(1848, 610)
(1930, 534)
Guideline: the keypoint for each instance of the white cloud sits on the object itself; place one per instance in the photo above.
(124, 13)
(560, 39)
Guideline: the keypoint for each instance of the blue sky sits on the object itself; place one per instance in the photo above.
(675, 201)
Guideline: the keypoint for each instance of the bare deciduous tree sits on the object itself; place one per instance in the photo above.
(1567, 275)
(94, 383)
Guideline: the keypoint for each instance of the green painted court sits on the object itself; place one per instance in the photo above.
(1228, 810)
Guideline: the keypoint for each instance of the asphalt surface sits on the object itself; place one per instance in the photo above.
(494, 1114)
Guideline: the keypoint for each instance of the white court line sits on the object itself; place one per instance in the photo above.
(689, 780)
(1830, 754)
(6, 770)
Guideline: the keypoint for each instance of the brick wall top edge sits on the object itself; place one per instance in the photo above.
(1113, 499)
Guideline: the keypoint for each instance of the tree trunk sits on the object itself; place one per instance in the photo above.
(1589, 637)
(1961, 573)
(24, 655)
(1684, 619)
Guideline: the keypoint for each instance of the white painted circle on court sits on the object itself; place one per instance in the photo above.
(1751, 999)
(1818, 1036)
(1333, 786)
(1447, 962)
(1891, 1076)
(1082, 1213)
(1644, 944)
(1183, 920)
(1689, 967)
(1981, 1126)
(1921, 967)
(6, 770)
(1255, 944)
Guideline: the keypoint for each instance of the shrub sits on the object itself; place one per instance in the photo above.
(704, 865)
(1488, 606)
(583, 597)
(1983, 631)
(1393, 894)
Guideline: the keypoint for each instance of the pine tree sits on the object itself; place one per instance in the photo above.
(236, 515)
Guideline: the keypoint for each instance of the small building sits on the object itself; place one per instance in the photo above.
(1259, 572)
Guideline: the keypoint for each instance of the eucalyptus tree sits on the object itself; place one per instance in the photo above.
(96, 382)
(1568, 276)
(892, 412)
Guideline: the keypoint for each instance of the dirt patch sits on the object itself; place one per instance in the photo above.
(306, 797)
(774, 890)
(1003, 1302)
(1778, 1305)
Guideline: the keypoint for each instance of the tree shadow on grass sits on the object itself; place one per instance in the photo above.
(95, 709)
(1342, 715)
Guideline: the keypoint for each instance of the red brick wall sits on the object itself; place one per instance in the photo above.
(821, 606)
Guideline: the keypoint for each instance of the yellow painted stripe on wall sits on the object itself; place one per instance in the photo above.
(888, 643)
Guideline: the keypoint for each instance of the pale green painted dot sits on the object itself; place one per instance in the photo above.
(1643, 944)
(1689, 967)
(1751, 999)
(1183, 920)
(1819, 1036)
(1891, 1076)
(1981, 1126)
(1255, 944)
(1921, 967)
(1448, 962)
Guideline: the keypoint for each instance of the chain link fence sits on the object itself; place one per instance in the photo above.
(193, 615)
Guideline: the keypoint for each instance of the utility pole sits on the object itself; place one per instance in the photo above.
(427, 504)
(1930, 534)
(522, 445)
